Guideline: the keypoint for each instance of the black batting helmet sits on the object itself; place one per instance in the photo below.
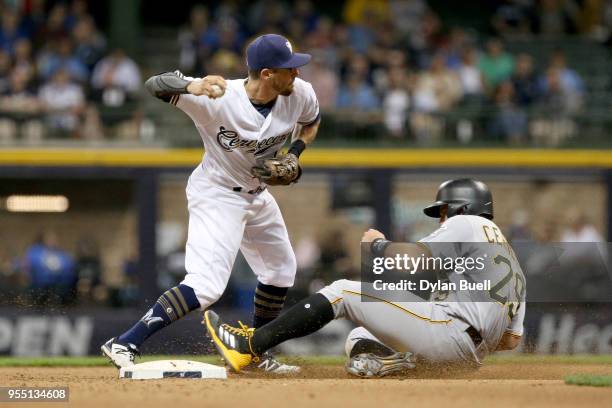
(463, 196)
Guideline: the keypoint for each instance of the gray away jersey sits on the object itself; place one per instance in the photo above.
(497, 310)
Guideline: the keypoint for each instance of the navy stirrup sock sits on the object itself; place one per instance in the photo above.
(268, 303)
(171, 306)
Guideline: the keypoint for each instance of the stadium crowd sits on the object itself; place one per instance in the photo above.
(396, 62)
(393, 62)
(58, 77)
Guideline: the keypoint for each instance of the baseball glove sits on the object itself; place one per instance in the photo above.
(281, 170)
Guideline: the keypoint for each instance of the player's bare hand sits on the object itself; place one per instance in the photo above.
(212, 86)
(371, 234)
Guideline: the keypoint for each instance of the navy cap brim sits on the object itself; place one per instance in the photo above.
(297, 60)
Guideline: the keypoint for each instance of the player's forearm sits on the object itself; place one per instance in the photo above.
(308, 133)
(165, 85)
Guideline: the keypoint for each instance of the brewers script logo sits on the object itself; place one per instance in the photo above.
(230, 140)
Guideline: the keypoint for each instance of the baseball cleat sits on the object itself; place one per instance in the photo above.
(120, 355)
(231, 342)
(268, 364)
(369, 365)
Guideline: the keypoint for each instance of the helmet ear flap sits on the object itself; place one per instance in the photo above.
(462, 210)
(457, 209)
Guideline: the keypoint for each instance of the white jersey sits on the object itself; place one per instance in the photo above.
(237, 137)
(494, 311)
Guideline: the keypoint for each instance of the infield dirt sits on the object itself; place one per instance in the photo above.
(499, 385)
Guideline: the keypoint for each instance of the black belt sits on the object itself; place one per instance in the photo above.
(254, 191)
(474, 335)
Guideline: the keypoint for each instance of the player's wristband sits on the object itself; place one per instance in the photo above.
(297, 147)
(378, 246)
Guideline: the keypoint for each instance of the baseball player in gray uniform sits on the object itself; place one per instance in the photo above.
(243, 123)
(452, 327)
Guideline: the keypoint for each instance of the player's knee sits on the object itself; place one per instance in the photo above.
(345, 285)
(284, 276)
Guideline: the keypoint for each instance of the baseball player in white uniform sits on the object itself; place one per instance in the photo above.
(243, 124)
(452, 327)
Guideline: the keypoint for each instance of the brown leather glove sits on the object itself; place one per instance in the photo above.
(281, 170)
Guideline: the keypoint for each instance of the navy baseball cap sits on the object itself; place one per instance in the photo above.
(273, 51)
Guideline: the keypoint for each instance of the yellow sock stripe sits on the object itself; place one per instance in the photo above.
(427, 319)
(175, 303)
(336, 301)
(270, 297)
(267, 314)
(268, 304)
(164, 303)
(181, 299)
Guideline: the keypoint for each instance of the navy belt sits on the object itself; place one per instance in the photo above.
(254, 191)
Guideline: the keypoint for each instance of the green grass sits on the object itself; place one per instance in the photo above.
(589, 380)
(320, 360)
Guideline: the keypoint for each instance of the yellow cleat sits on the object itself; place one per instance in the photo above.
(231, 342)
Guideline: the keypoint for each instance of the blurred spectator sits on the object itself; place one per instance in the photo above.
(470, 76)
(90, 44)
(226, 63)
(10, 32)
(189, 39)
(590, 17)
(563, 82)
(579, 229)
(562, 97)
(512, 18)
(55, 28)
(525, 81)
(436, 90)
(225, 34)
(266, 14)
(304, 11)
(117, 71)
(496, 64)
(129, 290)
(64, 102)
(556, 17)
(5, 71)
(519, 230)
(23, 58)
(355, 94)
(50, 271)
(60, 55)
(34, 20)
(19, 110)
(88, 270)
(360, 11)
(417, 26)
(116, 84)
(509, 122)
(324, 80)
(396, 102)
(78, 12)
(453, 49)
